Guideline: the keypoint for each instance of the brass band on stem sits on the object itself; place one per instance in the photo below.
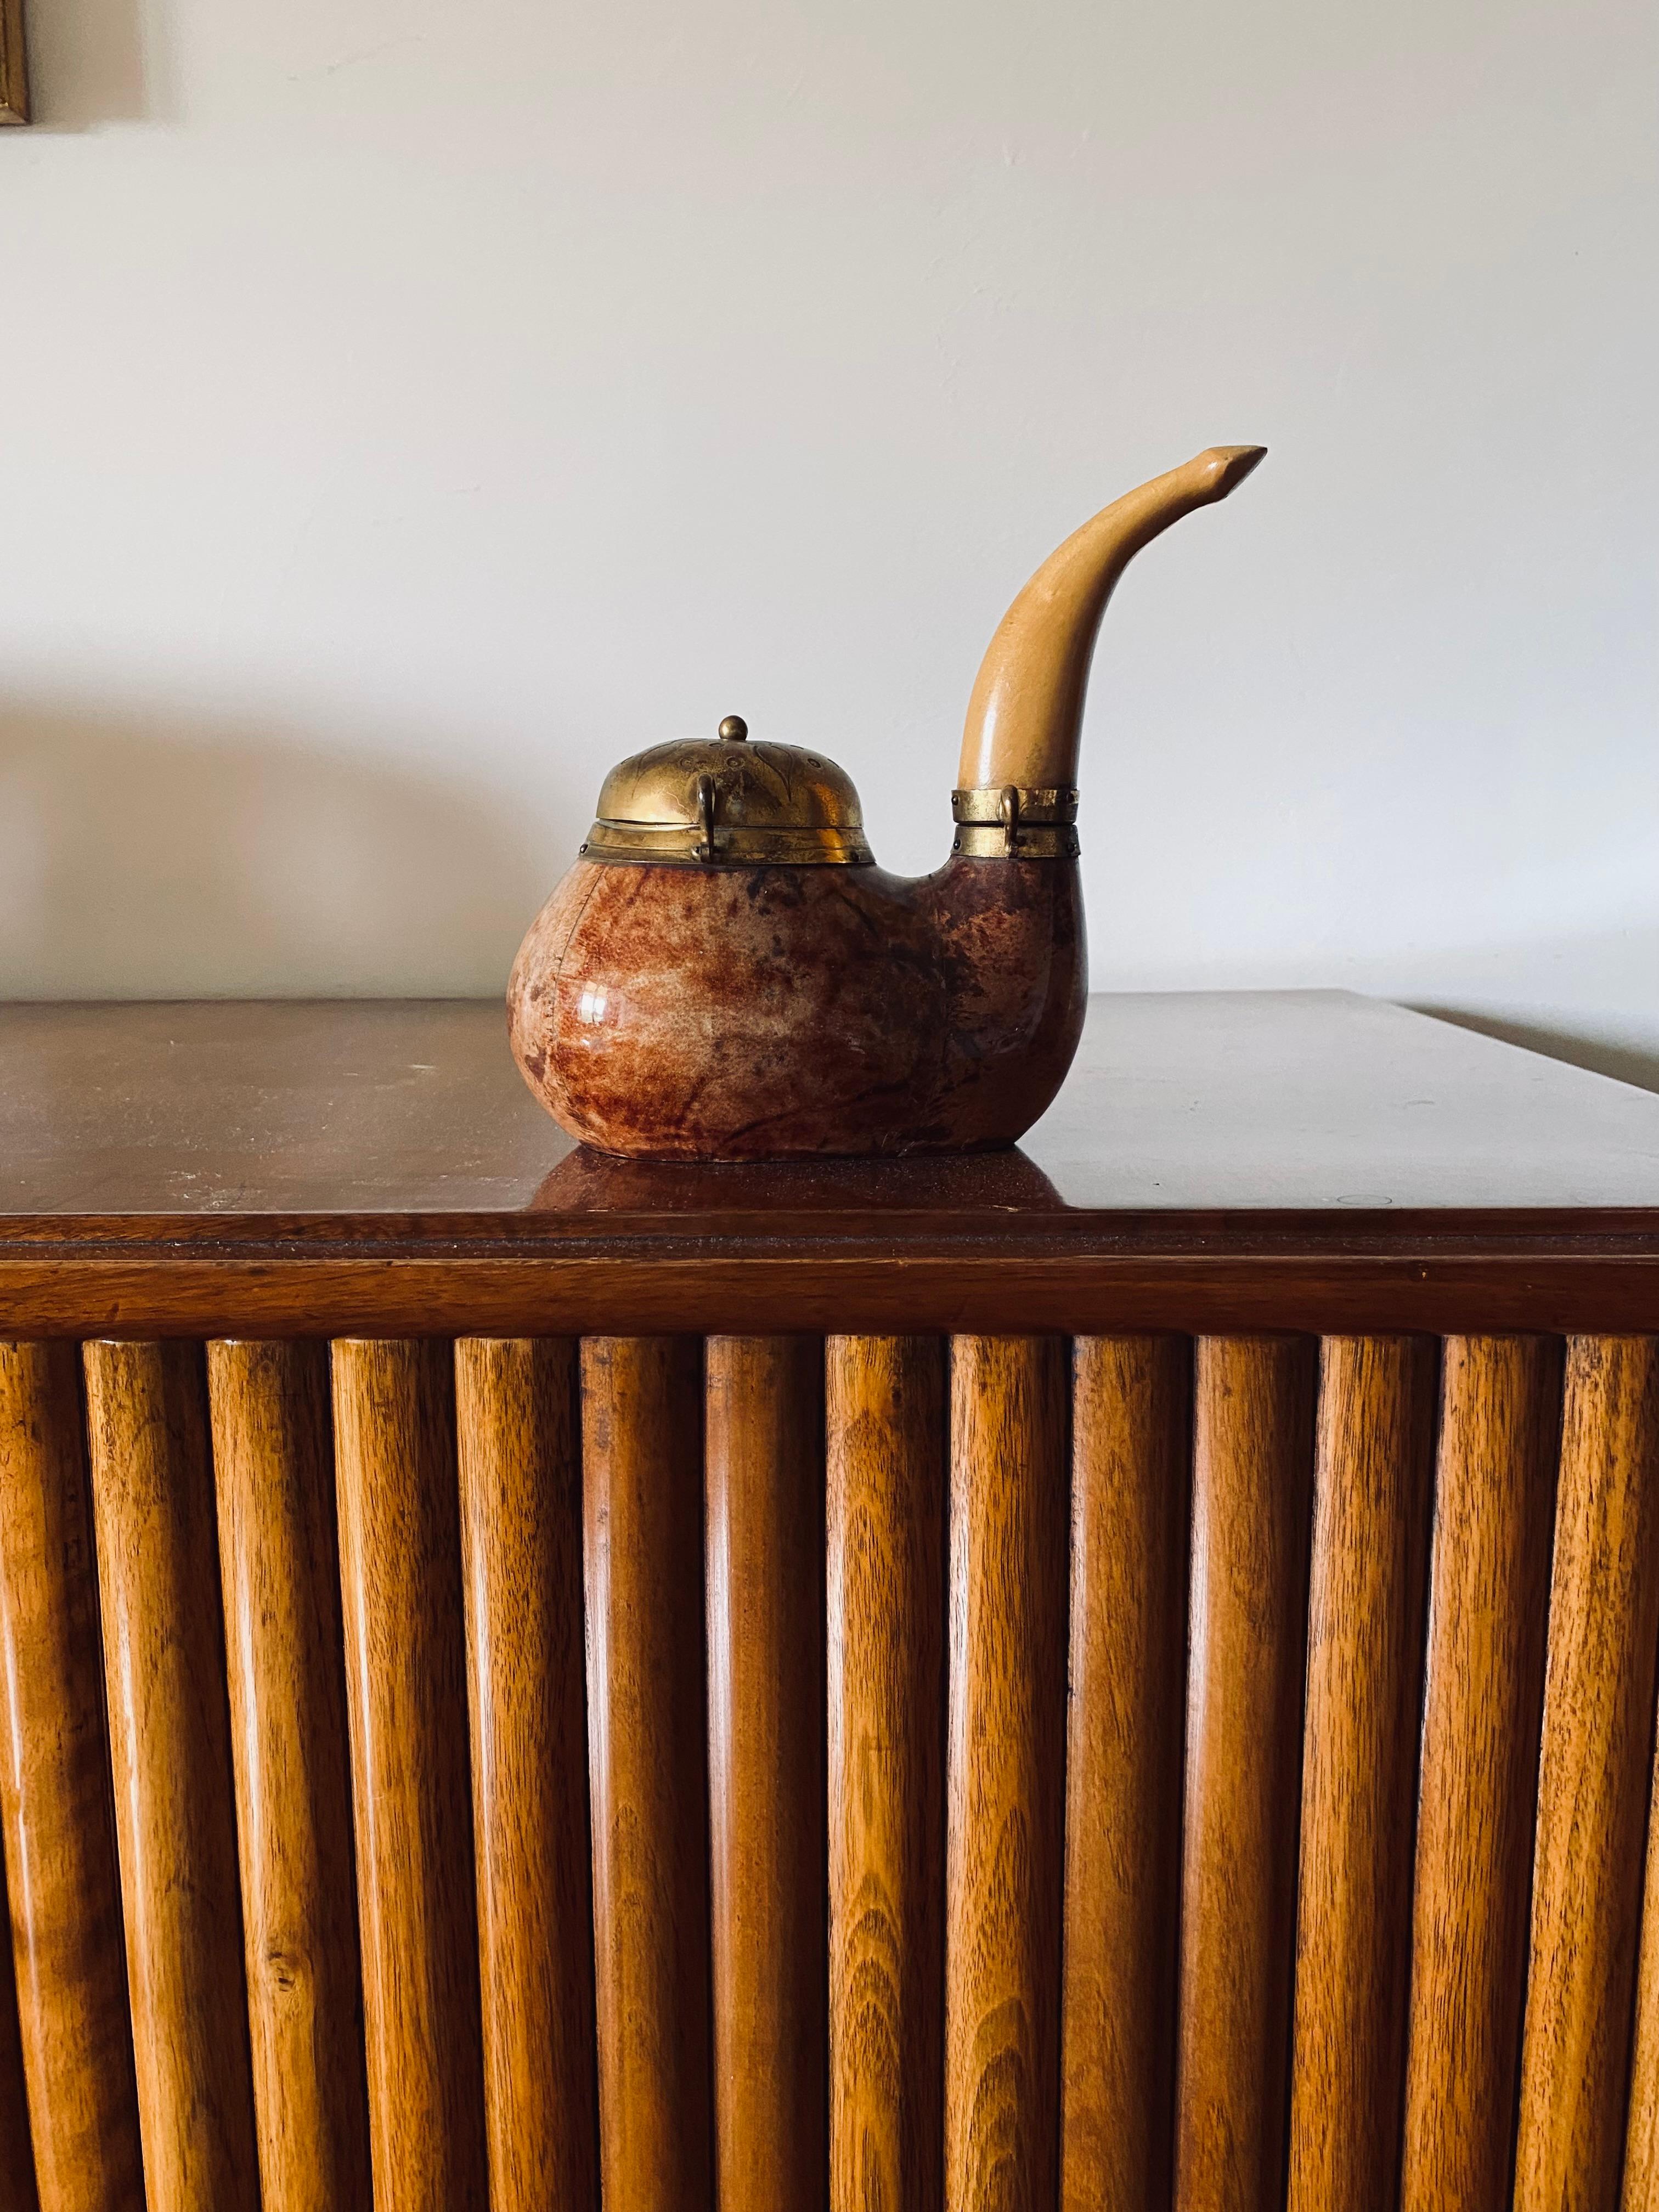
(1016, 822)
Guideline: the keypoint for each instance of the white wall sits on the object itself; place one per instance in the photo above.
(409, 408)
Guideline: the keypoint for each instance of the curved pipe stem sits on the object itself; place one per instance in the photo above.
(1025, 718)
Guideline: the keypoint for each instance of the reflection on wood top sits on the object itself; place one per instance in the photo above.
(407, 1119)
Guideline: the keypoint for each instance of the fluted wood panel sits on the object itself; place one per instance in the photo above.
(158, 1571)
(406, 1696)
(56, 1807)
(642, 1506)
(273, 1464)
(1483, 1697)
(520, 1484)
(1373, 1475)
(1233, 1932)
(1592, 1787)
(1131, 1499)
(1252, 1489)
(17, 2192)
(1006, 1770)
(885, 1427)
(768, 1878)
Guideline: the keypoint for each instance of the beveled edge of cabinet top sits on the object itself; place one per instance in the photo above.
(1252, 1127)
(1250, 1161)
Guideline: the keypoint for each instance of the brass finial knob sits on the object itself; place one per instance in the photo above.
(734, 729)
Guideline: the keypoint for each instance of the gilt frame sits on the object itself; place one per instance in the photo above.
(13, 65)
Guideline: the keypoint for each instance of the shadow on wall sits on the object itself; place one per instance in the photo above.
(1625, 1063)
(160, 858)
(87, 64)
(155, 860)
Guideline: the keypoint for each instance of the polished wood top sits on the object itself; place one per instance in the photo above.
(405, 1122)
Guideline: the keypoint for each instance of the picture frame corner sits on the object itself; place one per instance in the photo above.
(15, 104)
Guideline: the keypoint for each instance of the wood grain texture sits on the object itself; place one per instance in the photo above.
(521, 1553)
(1252, 1500)
(1007, 1765)
(279, 1571)
(764, 1484)
(1131, 1500)
(56, 1809)
(648, 1735)
(204, 1170)
(402, 1123)
(1593, 1779)
(885, 1422)
(1641, 2184)
(1373, 1481)
(1498, 1279)
(406, 1698)
(17, 2187)
(169, 1724)
(1500, 1408)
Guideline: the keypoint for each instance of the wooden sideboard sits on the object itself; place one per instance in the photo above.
(1117, 1674)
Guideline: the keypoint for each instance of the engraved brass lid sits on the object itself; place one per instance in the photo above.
(722, 802)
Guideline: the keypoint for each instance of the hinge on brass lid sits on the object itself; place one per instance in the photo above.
(705, 851)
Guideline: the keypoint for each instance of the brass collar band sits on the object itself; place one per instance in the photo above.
(711, 845)
(1015, 823)
(1010, 822)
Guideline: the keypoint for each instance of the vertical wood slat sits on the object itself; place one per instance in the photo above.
(406, 1700)
(521, 1486)
(1006, 1756)
(1641, 2188)
(643, 1505)
(279, 1570)
(1592, 1792)
(169, 1724)
(17, 2189)
(1641, 2184)
(885, 1426)
(1131, 1495)
(1374, 1465)
(763, 1472)
(1482, 1702)
(56, 1807)
(1252, 1496)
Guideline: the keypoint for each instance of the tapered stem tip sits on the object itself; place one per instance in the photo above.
(1227, 467)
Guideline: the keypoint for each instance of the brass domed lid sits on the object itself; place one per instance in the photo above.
(722, 802)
